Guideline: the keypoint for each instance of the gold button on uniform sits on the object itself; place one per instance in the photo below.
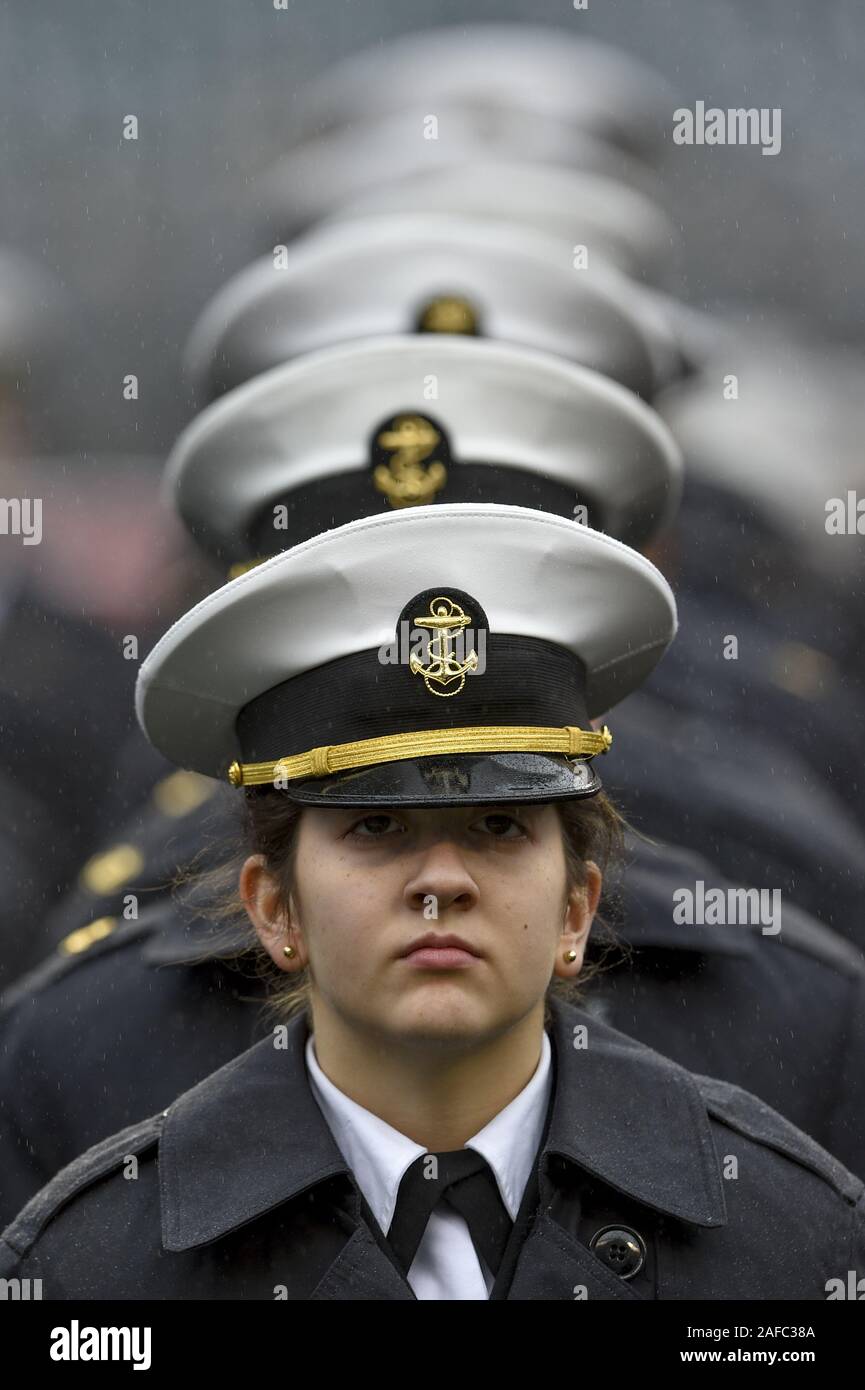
(110, 870)
(83, 937)
(243, 567)
(182, 792)
(803, 670)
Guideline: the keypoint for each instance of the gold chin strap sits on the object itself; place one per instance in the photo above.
(339, 757)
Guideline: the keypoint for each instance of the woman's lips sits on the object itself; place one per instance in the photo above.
(441, 958)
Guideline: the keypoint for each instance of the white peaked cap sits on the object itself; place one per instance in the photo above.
(340, 166)
(315, 619)
(358, 280)
(549, 71)
(613, 222)
(514, 414)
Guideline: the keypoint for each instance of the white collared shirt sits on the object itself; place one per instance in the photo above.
(446, 1265)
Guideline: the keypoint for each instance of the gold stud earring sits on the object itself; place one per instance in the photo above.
(570, 955)
(288, 951)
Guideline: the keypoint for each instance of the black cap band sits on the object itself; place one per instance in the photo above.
(335, 500)
(526, 681)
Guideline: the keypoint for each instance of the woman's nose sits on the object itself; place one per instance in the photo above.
(442, 880)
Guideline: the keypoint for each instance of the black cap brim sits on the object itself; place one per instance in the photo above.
(454, 780)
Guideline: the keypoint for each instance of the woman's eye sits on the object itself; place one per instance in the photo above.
(375, 827)
(503, 827)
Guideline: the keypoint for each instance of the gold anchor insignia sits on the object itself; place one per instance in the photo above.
(446, 618)
(448, 313)
(404, 480)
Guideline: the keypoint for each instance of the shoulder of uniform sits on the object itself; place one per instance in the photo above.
(91, 1166)
(161, 838)
(752, 1118)
(150, 841)
(655, 866)
(803, 933)
(81, 947)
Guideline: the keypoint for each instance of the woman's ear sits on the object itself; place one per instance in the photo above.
(272, 920)
(580, 909)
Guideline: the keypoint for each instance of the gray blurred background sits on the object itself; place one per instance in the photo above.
(141, 233)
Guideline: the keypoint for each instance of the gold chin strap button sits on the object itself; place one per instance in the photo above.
(110, 870)
(182, 792)
(84, 937)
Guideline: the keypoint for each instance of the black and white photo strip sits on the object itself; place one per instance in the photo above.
(432, 709)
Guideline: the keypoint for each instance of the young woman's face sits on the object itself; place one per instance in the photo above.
(369, 885)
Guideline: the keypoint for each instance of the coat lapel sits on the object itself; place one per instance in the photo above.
(251, 1137)
(362, 1273)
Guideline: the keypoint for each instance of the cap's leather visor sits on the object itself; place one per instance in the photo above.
(453, 780)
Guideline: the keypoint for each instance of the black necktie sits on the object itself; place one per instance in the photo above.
(465, 1180)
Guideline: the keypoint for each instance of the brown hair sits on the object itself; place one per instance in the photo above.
(592, 830)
